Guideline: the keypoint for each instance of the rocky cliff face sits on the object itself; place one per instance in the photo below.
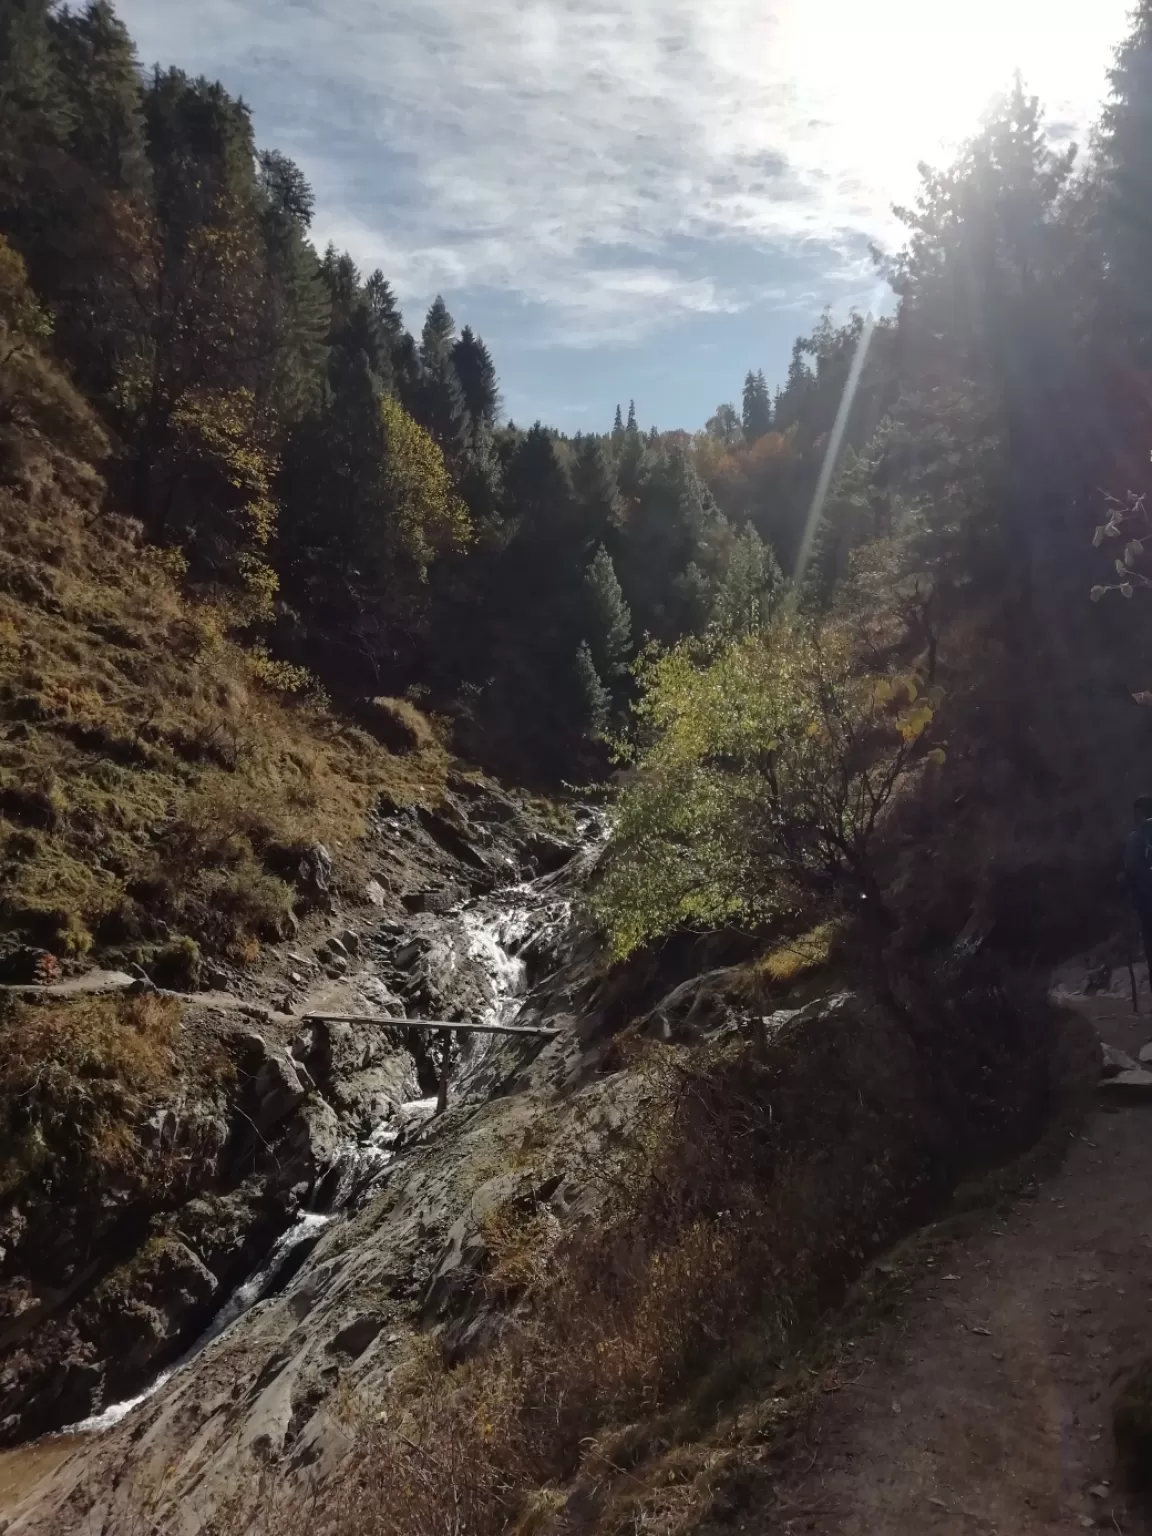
(265, 1133)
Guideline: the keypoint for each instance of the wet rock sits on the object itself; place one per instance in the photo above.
(437, 901)
(309, 1146)
(1115, 1061)
(547, 853)
(277, 1091)
(146, 1305)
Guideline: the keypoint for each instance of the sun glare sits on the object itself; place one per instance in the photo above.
(909, 80)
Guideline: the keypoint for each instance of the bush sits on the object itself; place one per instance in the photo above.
(73, 1082)
(764, 768)
(177, 964)
(397, 724)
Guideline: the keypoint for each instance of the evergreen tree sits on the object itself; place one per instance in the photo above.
(1125, 155)
(609, 622)
(746, 596)
(594, 702)
(477, 375)
(617, 428)
(595, 490)
(437, 337)
(437, 400)
(630, 459)
(757, 414)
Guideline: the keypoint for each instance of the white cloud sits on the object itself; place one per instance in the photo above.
(576, 153)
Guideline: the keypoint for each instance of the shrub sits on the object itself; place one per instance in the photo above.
(397, 724)
(177, 964)
(74, 1079)
(764, 767)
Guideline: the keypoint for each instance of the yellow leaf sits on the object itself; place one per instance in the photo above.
(1097, 593)
(1126, 589)
(938, 756)
(883, 691)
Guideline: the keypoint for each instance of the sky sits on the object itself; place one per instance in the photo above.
(627, 198)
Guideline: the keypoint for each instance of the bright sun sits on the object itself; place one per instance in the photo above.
(907, 80)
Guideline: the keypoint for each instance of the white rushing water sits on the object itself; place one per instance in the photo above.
(494, 930)
(306, 1227)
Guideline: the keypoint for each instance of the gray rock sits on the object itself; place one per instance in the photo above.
(351, 941)
(215, 979)
(375, 893)
(314, 871)
(277, 1090)
(1146, 1053)
(336, 946)
(1115, 1061)
(355, 1337)
(1135, 1085)
(336, 966)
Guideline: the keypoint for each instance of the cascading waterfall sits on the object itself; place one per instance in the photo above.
(492, 932)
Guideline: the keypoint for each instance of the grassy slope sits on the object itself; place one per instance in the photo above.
(151, 784)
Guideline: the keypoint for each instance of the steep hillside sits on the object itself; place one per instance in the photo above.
(161, 785)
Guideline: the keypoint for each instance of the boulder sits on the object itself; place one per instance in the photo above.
(1134, 1085)
(1115, 1061)
(355, 1337)
(277, 1090)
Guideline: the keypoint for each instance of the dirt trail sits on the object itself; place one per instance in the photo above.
(987, 1406)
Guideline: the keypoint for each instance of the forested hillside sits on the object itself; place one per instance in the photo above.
(913, 504)
(863, 668)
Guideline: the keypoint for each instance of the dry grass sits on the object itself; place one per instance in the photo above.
(148, 770)
(74, 1082)
(793, 958)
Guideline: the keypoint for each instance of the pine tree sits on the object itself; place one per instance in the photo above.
(296, 311)
(594, 702)
(437, 336)
(631, 457)
(618, 428)
(746, 595)
(477, 375)
(594, 486)
(1126, 163)
(609, 622)
(34, 118)
(757, 413)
